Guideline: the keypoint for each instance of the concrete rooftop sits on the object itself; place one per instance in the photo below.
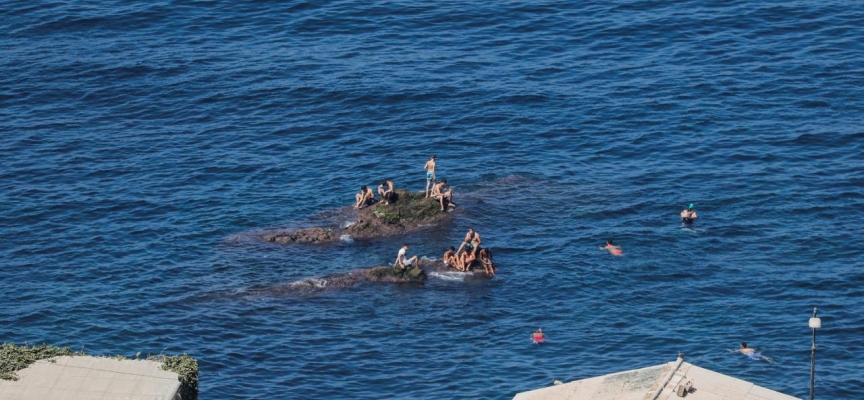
(92, 378)
(642, 384)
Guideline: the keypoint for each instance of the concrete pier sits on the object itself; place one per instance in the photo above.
(92, 378)
(674, 380)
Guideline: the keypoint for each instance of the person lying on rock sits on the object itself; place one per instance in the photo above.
(387, 190)
(438, 193)
(364, 198)
(402, 262)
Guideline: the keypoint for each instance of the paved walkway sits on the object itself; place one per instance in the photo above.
(92, 378)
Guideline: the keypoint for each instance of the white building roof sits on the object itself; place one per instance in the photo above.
(643, 384)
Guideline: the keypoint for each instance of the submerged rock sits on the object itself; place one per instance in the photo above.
(409, 212)
(386, 273)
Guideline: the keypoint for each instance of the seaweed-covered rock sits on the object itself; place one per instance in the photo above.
(392, 274)
(311, 235)
(386, 274)
(409, 212)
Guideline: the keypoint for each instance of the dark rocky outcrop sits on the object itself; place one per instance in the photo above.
(392, 274)
(386, 273)
(409, 212)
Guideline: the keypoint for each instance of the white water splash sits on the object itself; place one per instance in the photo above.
(316, 282)
(450, 276)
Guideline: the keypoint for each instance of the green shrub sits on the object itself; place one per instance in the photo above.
(187, 368)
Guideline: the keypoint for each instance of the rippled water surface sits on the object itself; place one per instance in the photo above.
(141, 145)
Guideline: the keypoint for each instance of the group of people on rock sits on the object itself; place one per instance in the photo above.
(468, 252)
(688, 216)
(436, 190)
(461, 259)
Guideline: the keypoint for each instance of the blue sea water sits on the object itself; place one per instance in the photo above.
(143, 144)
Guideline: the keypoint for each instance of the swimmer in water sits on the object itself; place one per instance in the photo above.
(689, 215)
(612, 248)
(752, 353)
(538, 336)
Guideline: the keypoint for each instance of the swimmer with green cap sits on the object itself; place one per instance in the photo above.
(688, 215)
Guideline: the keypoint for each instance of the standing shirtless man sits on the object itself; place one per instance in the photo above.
(430, 174)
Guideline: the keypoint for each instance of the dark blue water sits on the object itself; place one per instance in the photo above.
(141, 143)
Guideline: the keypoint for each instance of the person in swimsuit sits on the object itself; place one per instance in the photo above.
(458, 262)
(612, 248)
(448, 256)
(401, 261)
(472, 239)
(486, 261)
(753, 353)
(364, 198)
(688, 215)
(387, 190)
(466, 259)
(441, 195)
(430, 174)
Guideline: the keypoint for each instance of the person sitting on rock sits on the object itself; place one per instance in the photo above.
(458, 261)
(471, 243)
(402, 262)
(442, 195)
(387, 191)
(364, 198)
(467, 258)
(486, 260)
(448, 256)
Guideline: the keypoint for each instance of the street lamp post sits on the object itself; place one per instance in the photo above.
(815, 323)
